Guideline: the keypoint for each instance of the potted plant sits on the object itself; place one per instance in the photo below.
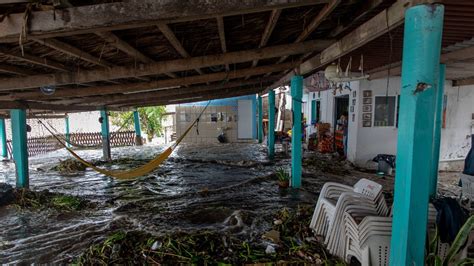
(283, 178)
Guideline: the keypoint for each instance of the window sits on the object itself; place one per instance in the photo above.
(384, 111)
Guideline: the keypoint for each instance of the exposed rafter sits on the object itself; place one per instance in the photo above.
(118, 72)
(128, 49)
(132, 14)
(145, 86)
(15, 70)
(168, 33)
(32, 59)
(72, 51)
(221, 29)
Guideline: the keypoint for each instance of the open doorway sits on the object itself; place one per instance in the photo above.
(341, 132)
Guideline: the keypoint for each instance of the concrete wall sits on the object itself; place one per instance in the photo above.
(209, 130)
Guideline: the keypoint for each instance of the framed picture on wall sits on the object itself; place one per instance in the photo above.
(354, 94)
(367, 123)
(352, 109)
(366, 108)
(367, 116)
(367, 101)
(367, 93)
(353, 117)
(353, 101)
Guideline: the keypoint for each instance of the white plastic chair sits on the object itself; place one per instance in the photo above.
(328, 198)
(467, 190)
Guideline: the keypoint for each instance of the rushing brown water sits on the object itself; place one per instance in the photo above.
(220, 187)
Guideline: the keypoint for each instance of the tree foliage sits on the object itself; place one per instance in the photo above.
(150, 120)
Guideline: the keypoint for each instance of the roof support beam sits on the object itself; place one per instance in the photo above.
(15, 70)
(168, 33)
(132, 14)
(128, 49)
(5, 105)
(370, 30)
(8, 84)
(32, 59)
(166, 93)
(144, 86)
(72, 51)
(221, 29)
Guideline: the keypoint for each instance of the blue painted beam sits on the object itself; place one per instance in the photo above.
(138, 130)
(260, 119)
(20, 147)
(296, 132)
(68, 134)
(437, 132)
(105, 130)
(420, 68)
(271, 124)
(3, 138)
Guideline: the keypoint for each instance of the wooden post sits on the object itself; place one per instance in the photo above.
(3, 138)
(20, 147)
(437, 132)
(296, 132)
(420, 68)
(104, 119)
(260, 119)
(138, 131)
(271, 124)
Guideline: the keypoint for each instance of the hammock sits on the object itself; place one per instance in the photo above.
(139, 171)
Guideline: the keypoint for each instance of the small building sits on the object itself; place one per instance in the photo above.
(235, 117)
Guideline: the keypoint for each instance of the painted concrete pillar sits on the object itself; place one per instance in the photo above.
(68, 134)
(105, 134)
(138, 130)
(420, 69)
(20, 147)
(260, 119)
(3, 138)
(296, 131)
(437, 130)
(271, 124)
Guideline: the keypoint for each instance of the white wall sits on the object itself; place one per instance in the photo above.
(455, 138)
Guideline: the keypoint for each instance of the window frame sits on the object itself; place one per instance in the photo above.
(395, 118)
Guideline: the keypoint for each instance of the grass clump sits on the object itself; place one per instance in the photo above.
(28, 199)
(69, 166)
(296, 245)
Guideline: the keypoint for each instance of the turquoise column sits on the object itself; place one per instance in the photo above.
(105, 134)
(20, 147)
(138, 130)
(420, 68)
(437, 130)
(3, 138)
(296, 132)
(271, 124)
(68, 135)
(260, 119)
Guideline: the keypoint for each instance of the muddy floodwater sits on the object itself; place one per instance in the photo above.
(220, 187)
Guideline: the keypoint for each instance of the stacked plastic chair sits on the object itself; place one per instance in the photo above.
(328, 198)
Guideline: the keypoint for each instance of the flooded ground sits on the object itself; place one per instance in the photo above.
(228, 188)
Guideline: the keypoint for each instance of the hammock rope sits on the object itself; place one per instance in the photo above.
(133, 173)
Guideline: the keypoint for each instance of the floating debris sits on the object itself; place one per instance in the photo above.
(69, 166)
(28, 199)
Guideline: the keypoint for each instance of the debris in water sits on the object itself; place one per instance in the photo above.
(28, 199)
(6, 194)
(69, 166)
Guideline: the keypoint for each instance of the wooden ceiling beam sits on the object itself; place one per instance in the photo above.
(118, 72)
(32, 59)
(6, 105)
(132, 14)
(72, 51)
(15, 70)
(128, 49)
(211, 95)
(221, 29)
(144, 86)
(378, 25)
(169, 35)
(172, 92)
(322, 15)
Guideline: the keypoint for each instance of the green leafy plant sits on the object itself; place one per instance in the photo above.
(150, 120)
(282, 175)
(435, 259)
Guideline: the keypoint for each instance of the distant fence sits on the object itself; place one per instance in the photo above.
(42, 145)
